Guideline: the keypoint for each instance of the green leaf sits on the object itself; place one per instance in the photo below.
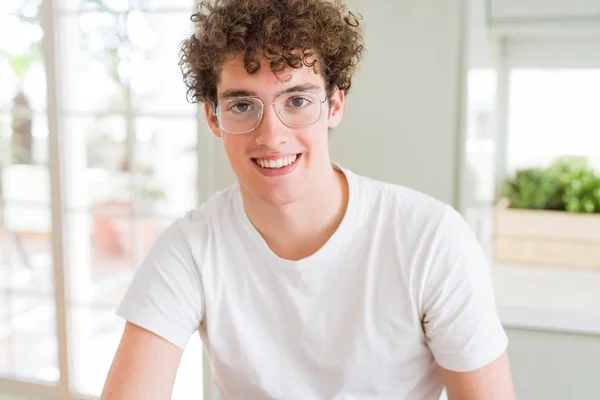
(568, 184)
(20, 63)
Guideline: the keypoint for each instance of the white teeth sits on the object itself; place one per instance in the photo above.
(279, 163)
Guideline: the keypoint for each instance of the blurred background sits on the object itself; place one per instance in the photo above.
(475, 102)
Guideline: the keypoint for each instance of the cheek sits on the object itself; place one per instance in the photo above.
(314, 141)
(235, 147)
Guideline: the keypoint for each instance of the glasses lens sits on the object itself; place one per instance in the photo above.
(239, 115)
(299, 109)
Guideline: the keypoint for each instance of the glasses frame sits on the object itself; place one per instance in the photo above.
(216, 108)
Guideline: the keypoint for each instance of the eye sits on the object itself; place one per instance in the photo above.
(298, 102)
(240, 107)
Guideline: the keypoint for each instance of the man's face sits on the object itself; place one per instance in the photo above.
(259, 157)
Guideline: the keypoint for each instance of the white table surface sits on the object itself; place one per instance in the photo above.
(548, 298)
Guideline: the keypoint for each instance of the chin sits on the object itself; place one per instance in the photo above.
(277, 196)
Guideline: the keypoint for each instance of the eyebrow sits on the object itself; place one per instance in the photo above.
(230, 93)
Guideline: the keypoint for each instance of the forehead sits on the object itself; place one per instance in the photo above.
(235, 77)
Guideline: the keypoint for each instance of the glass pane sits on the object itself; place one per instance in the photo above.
(97, 161)
(124, 5)
(478, 182)
(112, 254)
(165, 148)
(156, 80)
(99, 257)
(146, 231)
(5, 135)
(23, 139)
(188, 382)
(96, 5)
(23, 7)
(22, 74)
(94, 337)
(164, 4)
(95, 328)
(28, 346)
(102, 253)
(553, 112)
(114, 58)
(26, 250)
(94, 43)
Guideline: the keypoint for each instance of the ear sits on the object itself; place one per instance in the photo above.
(336, 108)
(211, 119)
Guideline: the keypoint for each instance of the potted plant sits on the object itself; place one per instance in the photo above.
(147, 201)
(550, 216)
(113, 234)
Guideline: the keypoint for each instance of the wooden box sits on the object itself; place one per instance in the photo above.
(546, 237)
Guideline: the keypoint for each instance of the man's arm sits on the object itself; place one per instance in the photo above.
(491, 382)
(144, 367)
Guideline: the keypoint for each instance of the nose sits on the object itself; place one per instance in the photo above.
(271, 132)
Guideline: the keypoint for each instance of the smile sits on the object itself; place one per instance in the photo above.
(276, 163)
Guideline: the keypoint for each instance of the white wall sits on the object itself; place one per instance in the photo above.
(401, 116)
(543, 9)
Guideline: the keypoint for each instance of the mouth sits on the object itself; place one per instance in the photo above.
(279, 163)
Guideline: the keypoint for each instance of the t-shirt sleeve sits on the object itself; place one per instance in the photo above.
(165, 295)
(460, 317)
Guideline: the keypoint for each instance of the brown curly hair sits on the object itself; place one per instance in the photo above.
(319, 34)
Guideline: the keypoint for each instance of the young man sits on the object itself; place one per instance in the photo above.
(305, 280)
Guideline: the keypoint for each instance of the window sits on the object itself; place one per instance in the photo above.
(28, 343)
(540, 103)
(480, 150)
(553, 112)
(127, 130)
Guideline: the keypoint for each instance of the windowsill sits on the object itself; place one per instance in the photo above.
(548, 298)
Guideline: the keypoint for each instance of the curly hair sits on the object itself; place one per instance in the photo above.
(319, 34)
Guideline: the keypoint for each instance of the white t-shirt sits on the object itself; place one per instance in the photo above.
(399, 288)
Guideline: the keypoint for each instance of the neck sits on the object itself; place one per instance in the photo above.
(297, 230)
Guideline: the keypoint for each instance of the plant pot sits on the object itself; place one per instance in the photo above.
(546, 237)
(110, 232)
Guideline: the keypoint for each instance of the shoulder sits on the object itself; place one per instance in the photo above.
(417, 223)
(399, 204)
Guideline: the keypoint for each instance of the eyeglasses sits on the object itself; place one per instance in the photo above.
(243, 114)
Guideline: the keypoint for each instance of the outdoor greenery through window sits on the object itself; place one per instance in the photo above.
(554, 139)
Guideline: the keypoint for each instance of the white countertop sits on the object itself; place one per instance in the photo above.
(557, 299)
